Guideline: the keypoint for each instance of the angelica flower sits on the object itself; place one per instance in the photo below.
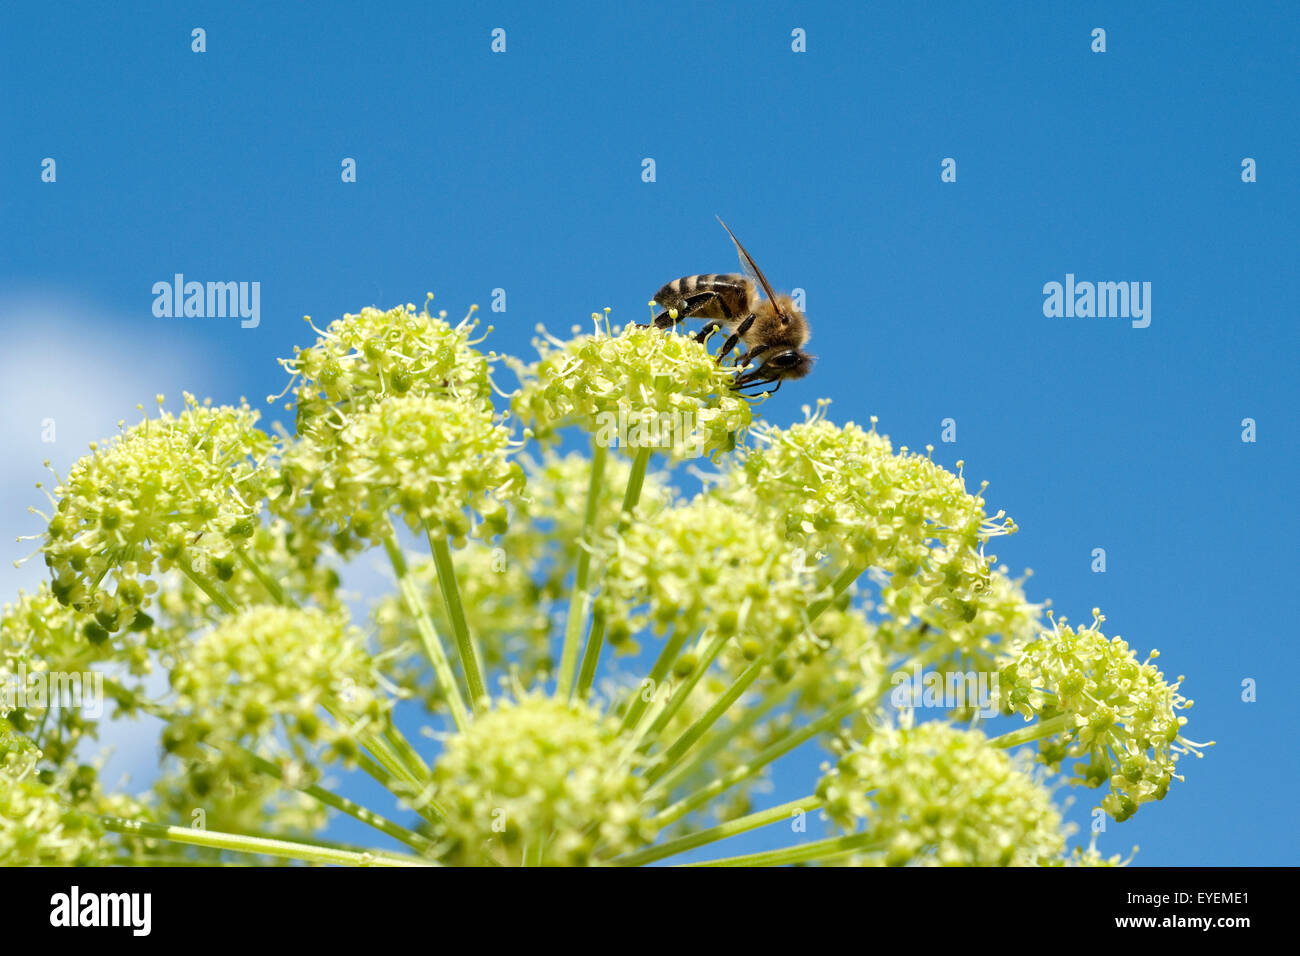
(994, 622)
(705, 563)
(933, 794)
(538, 778)
(281, 560)
(273, 668)
(394, 413)
(180, 491)
(779, 603)
(43, 644)
(52, 818)
(39, 633)
(639, 378)
(374, 354)
(36, 828)
(433, 461)
(843, 655)
(1123, 715)
(835, 487)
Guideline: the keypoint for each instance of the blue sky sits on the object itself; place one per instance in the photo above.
(522, 171)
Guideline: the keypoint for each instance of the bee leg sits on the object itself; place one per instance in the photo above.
(744, 360)
(735, 337)
(665, 320)
(684, 309)
(762, 387)
(712, 326)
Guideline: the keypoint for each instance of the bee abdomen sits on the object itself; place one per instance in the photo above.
(731, 294)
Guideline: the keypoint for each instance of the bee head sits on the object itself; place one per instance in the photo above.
(788, 363)
(778, 366)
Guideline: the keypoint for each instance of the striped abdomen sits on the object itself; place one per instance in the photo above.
(724, 297)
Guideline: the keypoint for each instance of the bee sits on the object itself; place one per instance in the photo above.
(773, 331)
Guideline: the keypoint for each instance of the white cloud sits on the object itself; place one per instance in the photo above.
(65, 368)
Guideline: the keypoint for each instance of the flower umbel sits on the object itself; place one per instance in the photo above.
(540, 780)
(764, 605)
(640, 376)
(1118, 712)
(934, 794)
(271, 669)
(180, 491)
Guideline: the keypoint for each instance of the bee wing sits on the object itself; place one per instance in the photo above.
(751, 269)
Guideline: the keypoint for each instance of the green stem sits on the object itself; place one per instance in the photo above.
(400, 786)
(683, 691)
(710, 717)
(772, 752)
(272, 586)
(747, 677)
(367, 816)
(721, 832)
(533, 852)
(1035, 731)
(379, 746)
(807, 853)
(470, 663)
(402, 747)
(841, 583)
(580, 599)
(591, 656)
(428, 633)
(208, 588)
(667, 656)
(751, 718)
(239, 843)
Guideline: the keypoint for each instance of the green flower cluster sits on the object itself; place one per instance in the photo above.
(38, 828)
(932, 794)
(280, 559)
(180, 491)
(273, 669)
(844, 655)
(394, 414)
(377, 354)
(428, 458)
(775, 606)
(654, 389)
(538, 780)
(704, 564)
(53, 817)
(43, 652)
(836, 488)
(1104, 704)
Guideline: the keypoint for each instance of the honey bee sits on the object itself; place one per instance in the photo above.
(772, 329)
